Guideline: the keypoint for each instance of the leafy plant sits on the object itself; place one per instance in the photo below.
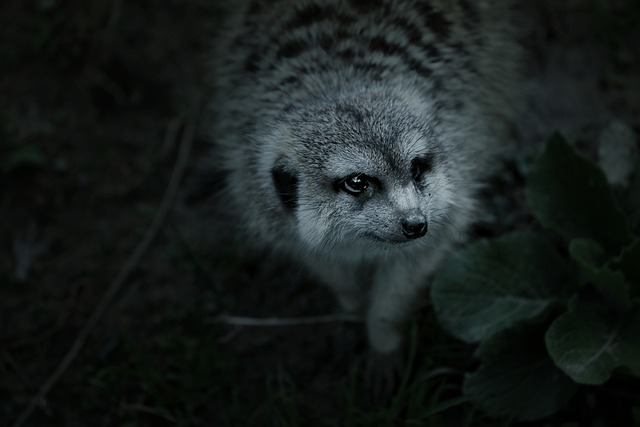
(550, 315)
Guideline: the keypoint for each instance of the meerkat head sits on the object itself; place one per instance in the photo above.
(364, 172)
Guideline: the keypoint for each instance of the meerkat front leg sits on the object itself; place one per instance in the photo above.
(396, 291)
(395, 294)
(392, 300)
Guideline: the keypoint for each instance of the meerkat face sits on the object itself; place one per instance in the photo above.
(353, 176)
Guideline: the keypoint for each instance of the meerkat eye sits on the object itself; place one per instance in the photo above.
(355, 184)
(420, 166)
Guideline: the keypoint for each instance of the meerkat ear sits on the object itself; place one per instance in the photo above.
(286, 184)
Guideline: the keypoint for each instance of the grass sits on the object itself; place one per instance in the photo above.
(173, 374)
(181, 378)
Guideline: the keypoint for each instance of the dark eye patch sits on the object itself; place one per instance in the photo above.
(286, 185)
(420, 166)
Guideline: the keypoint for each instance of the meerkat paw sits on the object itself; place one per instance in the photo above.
(346, 341)
(382, 377)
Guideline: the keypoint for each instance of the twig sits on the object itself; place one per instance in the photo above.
(291, 321)
(128, 267)
(148, 410)
(12, 363)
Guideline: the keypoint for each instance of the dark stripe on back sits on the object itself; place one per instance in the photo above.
(347, 54)
(369, 67)
(291, 80)
(326, 42)
(258, 6)
(418, 67)
(414, 36)
(315, 13)
(470, 11)
(365, 5)
(251, 64)
(413, 33)
(434, 20)
(309, 15)
(292, 49)
(379, 44)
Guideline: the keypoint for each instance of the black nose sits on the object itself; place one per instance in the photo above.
(414, 228)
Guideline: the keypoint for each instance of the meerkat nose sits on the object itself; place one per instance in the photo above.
(414, 227)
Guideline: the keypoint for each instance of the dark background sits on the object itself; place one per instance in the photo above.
(94, 97)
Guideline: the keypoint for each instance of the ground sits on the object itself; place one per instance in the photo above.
(94, 101)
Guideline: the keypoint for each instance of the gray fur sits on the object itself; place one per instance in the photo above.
(319, 91)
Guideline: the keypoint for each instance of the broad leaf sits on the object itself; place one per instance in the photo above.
(516, 377)
(630, 198)
(629, 264)
(591, 259)
(570, 195)
(588, 343)
(493, 284)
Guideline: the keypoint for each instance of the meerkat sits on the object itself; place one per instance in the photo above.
(355, 135)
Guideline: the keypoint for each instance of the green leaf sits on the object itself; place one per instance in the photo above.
(591, 259)
(629, 263)
(630, 199)
(23, 156)
(570, 195)
(516, 377)
(588, 343)
(493, 284)
(46, 5)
